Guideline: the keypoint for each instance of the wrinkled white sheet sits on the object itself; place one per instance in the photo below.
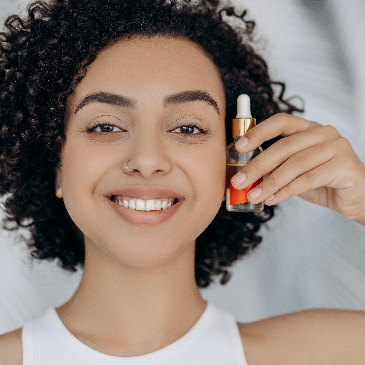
(310, 256)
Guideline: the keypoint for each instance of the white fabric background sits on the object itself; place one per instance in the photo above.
(310, 256)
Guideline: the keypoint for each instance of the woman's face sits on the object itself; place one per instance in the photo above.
(157, 103)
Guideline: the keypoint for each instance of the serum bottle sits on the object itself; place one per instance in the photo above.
(236, 200)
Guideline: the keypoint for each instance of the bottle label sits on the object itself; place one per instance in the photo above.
(240, 196)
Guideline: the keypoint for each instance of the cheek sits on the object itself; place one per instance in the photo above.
(208, 176)
(84, 165)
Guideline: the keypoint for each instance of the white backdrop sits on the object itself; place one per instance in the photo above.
(310, 256)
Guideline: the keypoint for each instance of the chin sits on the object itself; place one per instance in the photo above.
(146, 251)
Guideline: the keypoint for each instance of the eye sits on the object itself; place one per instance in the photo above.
(189, 130)
(105, 128)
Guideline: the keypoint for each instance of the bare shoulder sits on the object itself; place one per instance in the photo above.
(321, 336)
(11, 350)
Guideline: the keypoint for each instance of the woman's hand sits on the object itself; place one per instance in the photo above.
(313, 161)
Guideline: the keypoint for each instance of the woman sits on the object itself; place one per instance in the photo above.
(106, 104)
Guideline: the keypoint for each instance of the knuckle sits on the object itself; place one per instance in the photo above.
(309, 176)
(272, 182)
(330, 131)
(316, 124)
(259, 132)
(281, 118)
(284, 116)
(286, 189)
(299, 160)
(255, 165)
(343, 143)
(283, 143)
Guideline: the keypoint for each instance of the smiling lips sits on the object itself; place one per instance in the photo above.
(145, 205)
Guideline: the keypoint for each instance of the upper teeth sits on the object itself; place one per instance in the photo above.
(146, 205)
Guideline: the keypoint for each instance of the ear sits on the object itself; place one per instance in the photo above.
(58, 182)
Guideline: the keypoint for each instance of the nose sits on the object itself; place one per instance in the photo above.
(148, 156)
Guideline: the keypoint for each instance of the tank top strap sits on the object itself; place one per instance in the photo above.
(213, 340)
(225, 336)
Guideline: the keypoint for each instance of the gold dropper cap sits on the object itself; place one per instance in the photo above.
(244, 121)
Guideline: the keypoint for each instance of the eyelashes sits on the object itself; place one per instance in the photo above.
(111, 128)
(191, 130)
(104, 124)
(185, 130)
(105, 128)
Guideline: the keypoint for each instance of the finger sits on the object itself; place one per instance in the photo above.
(283, 150)
(319, 177)
(278, 125)
(294, 167)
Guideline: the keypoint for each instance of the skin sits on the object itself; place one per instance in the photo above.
(314, 162)
(144, 275)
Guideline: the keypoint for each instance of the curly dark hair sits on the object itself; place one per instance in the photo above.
(45, 55)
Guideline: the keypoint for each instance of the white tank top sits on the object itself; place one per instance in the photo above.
(213, 340)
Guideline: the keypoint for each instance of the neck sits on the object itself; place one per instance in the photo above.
(140, 309)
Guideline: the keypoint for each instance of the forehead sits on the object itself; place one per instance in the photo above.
(143, 67)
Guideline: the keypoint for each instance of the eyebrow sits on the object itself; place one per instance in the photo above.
(107, 98)
(178, 98)
(194, 95)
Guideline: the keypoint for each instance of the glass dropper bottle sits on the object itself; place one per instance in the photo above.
(236, 200)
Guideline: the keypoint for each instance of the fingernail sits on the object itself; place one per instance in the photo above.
(255, 193)
(271, 198)
(243, 142)
(239, 178)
